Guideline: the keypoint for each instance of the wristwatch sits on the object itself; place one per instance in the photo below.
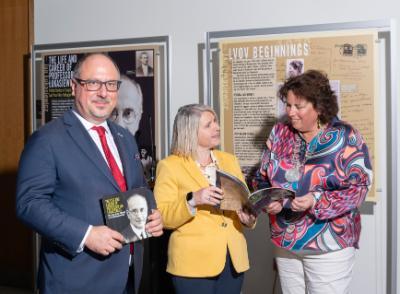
(189, 196)
(191, 203)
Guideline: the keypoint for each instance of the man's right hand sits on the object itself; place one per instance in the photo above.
(211, 195)
(103, 240)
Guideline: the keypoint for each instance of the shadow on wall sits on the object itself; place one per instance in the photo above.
(262, 278)
(367, 208)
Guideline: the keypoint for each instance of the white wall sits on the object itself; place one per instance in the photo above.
(58, 21)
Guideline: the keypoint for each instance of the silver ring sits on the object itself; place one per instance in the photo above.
(209, 198)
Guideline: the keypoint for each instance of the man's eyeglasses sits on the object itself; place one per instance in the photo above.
(95, 85)
(135, 210)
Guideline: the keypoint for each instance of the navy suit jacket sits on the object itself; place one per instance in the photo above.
(62, 177)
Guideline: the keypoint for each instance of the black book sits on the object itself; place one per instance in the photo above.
(238, 196)
(127, 212)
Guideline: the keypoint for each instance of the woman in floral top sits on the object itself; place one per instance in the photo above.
(326, 162)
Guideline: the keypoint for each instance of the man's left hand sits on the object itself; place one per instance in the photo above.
(155, 225)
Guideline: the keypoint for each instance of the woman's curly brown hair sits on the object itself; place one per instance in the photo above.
(313, 85)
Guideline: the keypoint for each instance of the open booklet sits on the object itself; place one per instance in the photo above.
(237, 195)
(127, 212)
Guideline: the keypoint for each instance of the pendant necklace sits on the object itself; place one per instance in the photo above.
(293, 174)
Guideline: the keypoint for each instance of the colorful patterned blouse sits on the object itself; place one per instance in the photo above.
(335, 165)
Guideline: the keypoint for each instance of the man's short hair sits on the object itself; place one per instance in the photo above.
(81, 61)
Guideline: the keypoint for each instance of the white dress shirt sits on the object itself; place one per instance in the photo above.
(113, 148)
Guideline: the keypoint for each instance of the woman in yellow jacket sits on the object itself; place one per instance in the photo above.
(207, 251)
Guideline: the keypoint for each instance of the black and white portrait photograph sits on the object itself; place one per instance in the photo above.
(137, 211)
(144, 63)
(129, 109)
(294, 67)
(127, 212)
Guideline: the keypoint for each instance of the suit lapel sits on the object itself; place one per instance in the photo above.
(123, 154)
(194, 171)
(86, 144)
(220, 162)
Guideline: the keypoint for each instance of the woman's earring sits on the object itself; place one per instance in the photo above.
(318, 123)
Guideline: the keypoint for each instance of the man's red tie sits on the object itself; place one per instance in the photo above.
(116, 172)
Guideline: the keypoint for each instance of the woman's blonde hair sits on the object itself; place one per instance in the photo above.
(186, 128)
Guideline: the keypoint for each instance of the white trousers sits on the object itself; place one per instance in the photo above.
(327, 273)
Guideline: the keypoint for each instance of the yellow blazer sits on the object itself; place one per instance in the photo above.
(199, 242)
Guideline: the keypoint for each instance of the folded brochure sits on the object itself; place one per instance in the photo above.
(238, 196)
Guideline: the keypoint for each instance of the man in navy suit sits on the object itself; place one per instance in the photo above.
(64, 172)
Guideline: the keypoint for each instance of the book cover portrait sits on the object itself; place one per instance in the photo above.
(127, 213)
